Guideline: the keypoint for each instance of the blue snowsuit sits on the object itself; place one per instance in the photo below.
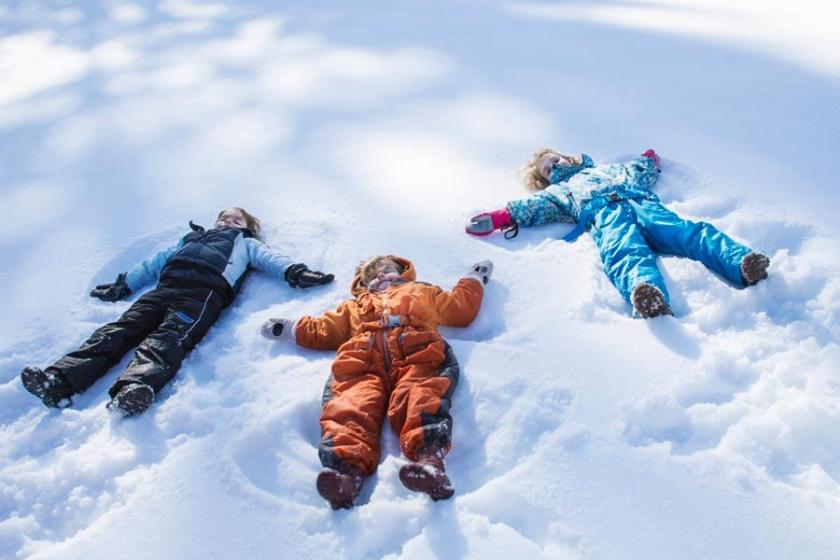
(628, 223)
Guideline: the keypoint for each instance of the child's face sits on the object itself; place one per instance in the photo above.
(231, 218)
(550, 160)
(381, 274)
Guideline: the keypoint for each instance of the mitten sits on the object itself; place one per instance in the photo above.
(655, 157)
(299, 276)
(488, 222)
(482, 270)
(112, 292)
(276, 329)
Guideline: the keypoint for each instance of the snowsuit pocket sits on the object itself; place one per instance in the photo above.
(421, 347)
(354, 357)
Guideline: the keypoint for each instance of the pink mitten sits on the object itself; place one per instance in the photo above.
(488, 222)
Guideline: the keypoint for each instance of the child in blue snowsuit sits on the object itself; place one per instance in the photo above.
(196, 279)
(628, 223)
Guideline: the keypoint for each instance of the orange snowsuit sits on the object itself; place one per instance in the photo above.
(390, 359)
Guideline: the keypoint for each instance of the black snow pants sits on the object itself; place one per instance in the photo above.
(164, 324)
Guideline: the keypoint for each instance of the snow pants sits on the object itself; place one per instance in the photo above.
(166, 323)
(630, 233)
(405, 373)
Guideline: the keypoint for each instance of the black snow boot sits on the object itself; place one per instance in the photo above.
(132, 399)
(649, 302)
(754, 268)
(340, 487)
(49, 386)
(427, 474)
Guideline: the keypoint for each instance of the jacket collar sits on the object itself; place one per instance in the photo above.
(201, 230)
(560, 173)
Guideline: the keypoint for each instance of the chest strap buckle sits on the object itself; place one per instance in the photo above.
(390, 321)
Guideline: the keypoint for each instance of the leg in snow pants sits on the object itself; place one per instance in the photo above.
(166, 323)
(630, 233)
(414, 392)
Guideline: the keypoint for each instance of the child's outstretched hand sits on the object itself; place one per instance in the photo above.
(488, 222)
(299, 276)
(276, 329)
(657, 161)
(114, 291)
(482, 270)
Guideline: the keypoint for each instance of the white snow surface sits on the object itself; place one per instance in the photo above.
(361, 128)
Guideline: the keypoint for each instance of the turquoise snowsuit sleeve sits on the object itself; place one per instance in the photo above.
(542, 207)
(642, 173)
(263, 258)
(148, 271)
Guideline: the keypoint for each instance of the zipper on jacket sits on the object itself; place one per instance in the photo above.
(386, 354)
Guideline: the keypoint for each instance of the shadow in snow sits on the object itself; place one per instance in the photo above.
(674, 336)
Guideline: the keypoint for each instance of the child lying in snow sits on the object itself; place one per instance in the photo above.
(626, 220)
(391, 359)
(197, 278)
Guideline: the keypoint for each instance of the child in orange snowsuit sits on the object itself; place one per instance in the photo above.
(391, 360)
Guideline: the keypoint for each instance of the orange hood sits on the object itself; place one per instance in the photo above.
(408, 274)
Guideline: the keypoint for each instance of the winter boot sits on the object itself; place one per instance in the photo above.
(132, 399)
(50, 386)
(649, 302)
(427, 474)
(754, 268)
(340, 487)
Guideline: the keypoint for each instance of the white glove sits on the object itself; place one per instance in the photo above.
(482, 270)
(275, 329)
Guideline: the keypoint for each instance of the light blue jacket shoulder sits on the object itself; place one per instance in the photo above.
(148, 271)
(264, 258)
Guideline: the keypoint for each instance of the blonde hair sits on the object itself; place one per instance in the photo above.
(251, 221)
(367, 270)
(530, 172)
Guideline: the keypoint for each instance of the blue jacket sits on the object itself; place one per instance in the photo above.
(577, 192)
(216, 258)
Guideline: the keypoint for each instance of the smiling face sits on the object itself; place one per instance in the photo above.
(231, 218)
(379, 273)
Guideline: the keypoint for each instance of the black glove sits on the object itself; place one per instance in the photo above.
(112, 292)
(299, 276)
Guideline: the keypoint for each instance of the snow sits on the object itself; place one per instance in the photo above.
(580, 432)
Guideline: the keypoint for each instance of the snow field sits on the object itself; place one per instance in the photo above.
(579, 431)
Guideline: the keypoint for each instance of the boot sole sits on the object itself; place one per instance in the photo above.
(754, 268)
(134, 401)
(420, 478)
(34, 381)
(331, 489)
(649, 302)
